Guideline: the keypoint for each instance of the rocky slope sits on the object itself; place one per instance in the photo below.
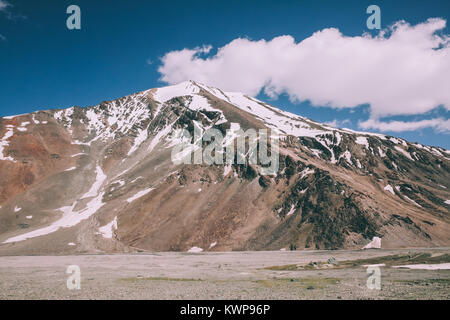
(101, 179)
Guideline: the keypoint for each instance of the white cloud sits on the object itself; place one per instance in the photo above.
(439, 124)
(336, 123)
(403, 70)
(3, 5)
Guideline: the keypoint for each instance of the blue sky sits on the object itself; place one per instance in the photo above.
(44, 65)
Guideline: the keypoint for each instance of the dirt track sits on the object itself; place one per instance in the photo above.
(231, 275)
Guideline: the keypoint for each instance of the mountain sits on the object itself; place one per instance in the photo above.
(102, 179)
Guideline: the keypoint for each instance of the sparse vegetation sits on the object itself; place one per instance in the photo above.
(305, 283)
(391, 260)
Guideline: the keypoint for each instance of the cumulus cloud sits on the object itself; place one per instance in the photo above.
(439, 124)
(403, 70)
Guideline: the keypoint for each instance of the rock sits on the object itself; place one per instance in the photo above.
(264, 181)
(332, 261)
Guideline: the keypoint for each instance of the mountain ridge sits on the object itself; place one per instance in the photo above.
(344, 129)
(101, 178)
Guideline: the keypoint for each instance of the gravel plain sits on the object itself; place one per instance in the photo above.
(221, 275)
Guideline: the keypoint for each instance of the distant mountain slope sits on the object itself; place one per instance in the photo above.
(101, 179)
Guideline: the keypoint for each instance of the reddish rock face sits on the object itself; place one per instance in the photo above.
(102, 178)
(37, 151)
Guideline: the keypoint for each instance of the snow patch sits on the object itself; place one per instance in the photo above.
(227, 169)
(12, 117)
(306, 172)
(101, 177)
(141, 137)
(403, 152)
(78, 154)
(108, 230)
(280, 121)
(158, 137)
(348, 157)
(139, 194)
(120, 182)
(363, 141)
(439, 266)
(412, 201)
(291, 211)
(4, 142)
(390, 189)
(374, 244)
(394, 140)
(185, 88)
(436, 152)
(70, 218)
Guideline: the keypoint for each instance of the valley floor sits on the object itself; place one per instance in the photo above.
(224, 275)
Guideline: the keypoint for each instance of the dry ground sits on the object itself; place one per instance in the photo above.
(227, 275)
